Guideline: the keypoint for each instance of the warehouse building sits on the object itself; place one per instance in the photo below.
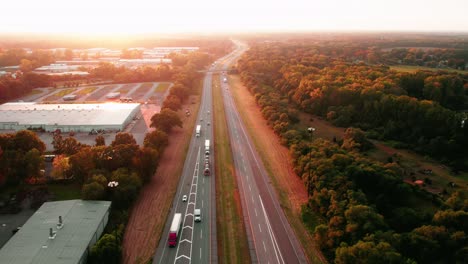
(58, 232)
(67, 117)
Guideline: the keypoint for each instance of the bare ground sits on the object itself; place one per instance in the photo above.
(149, 213)
(289, 186)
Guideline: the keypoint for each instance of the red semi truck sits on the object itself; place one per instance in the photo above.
(174, 231)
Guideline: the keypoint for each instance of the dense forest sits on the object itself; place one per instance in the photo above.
(365, 212)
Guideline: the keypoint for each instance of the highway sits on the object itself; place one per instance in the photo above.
(271, 239)
(197, 240)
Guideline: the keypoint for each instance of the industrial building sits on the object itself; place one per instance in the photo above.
(67, 117)
(58, 232)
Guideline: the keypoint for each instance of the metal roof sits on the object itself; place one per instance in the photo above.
(65, 114)
(31, 244)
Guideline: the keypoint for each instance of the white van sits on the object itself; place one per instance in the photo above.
(197, 215)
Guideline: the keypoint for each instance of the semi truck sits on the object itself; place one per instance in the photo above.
(198, 131)
(207, 147)
(175, 228)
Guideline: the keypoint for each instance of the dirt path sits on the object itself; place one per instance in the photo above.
(149, 212)
(289, 186)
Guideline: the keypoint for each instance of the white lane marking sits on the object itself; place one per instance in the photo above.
(272, 235)
(201, 233)
(202, 204)
(255, 211)
(250, 188)
(203, 180)
(252, 199)
(260, 228)
(203, 191)
(264, 247)
(200, 253)
(195, 174)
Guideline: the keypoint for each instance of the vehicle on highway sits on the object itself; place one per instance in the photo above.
(207, 147)
(176, 226)
(197, 214)
(184, 198)
(225, 80)
(206, 171)
(197, 131)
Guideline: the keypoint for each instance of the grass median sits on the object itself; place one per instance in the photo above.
(232, 237)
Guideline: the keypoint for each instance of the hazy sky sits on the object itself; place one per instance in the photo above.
(139, 16)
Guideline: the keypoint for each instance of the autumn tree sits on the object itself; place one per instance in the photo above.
(165, 120)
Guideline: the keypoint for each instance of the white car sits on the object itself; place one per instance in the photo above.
(184, 198)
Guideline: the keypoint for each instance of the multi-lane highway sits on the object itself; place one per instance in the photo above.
(271, 238)
(197, 240)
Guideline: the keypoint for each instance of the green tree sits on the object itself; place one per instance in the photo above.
(127, 190)
(368, 252)
(34, 162)
(123, 138)
(100, 141)
(93, 191)
(165, 120)
(172, 102)
(156, 139)
(107, 250)
(26, 140)
(146, 161)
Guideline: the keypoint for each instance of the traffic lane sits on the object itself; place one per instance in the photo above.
(201, 250)
(164, 254)
(276, 222)
(180, 207)
(264, 245)
(288, 251)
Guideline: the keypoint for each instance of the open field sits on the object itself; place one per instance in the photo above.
(289, 187)
(232, 237)
(58, 95)
(411, 68)
(86, 91)
(149, 212)
(162, 87)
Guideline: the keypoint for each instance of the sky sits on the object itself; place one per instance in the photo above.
(219, 16)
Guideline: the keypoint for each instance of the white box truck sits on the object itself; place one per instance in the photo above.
(174, 230)
(197, 214)
(198, 131)
(207, 147)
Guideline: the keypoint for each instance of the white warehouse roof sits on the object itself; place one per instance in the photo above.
(108, 114)
(83, 223)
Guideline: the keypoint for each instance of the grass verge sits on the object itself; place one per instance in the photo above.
(86, 91)
(232, 237)
(60, 94)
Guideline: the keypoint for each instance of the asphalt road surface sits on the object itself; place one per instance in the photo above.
(197, 240)
(271, 238)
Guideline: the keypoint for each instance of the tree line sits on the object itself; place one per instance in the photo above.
(421, 110)
(364, 211)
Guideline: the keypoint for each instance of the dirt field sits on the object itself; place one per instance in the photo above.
(289, 186)
(149, 212)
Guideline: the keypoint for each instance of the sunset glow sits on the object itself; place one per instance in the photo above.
(142, 16)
